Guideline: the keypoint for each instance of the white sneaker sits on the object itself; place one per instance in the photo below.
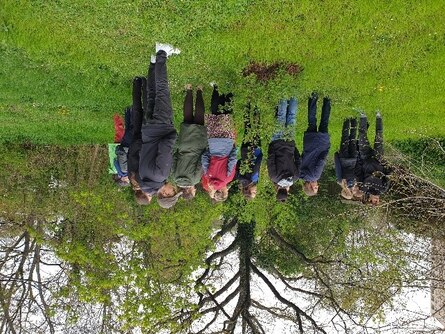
(153, 59)
(169, 49)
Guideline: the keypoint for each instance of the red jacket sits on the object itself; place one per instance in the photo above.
(216, 175)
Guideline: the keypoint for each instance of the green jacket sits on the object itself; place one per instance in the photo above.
(192, 142)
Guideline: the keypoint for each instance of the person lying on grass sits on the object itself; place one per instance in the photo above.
(191, 144)
(371, 172)
(345, 158)
(316, 144)
(157, 130)
(283, 160)
(219, 159)
(248, 167)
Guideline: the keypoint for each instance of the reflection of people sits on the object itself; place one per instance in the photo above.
(346, 157)
(120, 162)
(248, 167)
(219, 160)
(370, 172)
(283, 161)
(192, 142)
(315, 145)
(158, 132)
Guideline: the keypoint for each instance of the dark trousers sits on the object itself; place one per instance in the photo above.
(198, 117)
(137, 112)
(127, 139)
(312, 114)
(348, 144)
(159, 105)
(221, 103)
(366, 151)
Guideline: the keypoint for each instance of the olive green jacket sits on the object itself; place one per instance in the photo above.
(192, 142)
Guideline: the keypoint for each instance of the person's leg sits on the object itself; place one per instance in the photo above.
(188, 105)
(291, 112)
(163, 112)
(151, 92)
(281, 120)
(344, 143)
(144, 94)
(312, 113)
(378, 141)
(291, 115)
(325, 114)
(352, 149)
(137, 108)
(281, 112)
(128, 134)
(363, 142)
(215, 101)
(199, 107)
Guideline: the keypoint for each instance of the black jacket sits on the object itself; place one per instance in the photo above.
(156, 155)
(283, 160)
(344, 167)
(372, 176)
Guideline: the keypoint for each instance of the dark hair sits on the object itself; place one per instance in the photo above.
(141, 198)
(282, 194)
(187, 193)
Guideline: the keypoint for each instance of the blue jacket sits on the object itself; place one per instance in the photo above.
(315, 150)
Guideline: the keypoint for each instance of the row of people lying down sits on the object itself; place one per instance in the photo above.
(207, 153)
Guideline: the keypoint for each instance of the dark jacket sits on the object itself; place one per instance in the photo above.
(283, 160)
(372, 176)
(251, 158)
(192, 142)
(315, 150)
(344, 167)
(156, 155)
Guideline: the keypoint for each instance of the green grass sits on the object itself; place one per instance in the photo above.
(67, 65)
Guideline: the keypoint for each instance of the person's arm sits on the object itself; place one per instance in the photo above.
(231, 163)
(271, 164)
(258, 159)
(358, 171)
(338, 171)
(205, 160)
(297, 163)
(121, 160)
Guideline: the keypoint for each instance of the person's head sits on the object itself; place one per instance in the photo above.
(310, 188)
(121, 181)
(374, 199)
(249, 191)
(142, 198)
(282, 194)
(221, 195)
(188, 193)
(168, 196)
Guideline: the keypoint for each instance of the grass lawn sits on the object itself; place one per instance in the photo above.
(67, 66)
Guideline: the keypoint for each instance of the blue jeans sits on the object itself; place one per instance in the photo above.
(286, 118)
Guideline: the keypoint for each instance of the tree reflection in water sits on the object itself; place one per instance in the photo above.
(79, 257)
